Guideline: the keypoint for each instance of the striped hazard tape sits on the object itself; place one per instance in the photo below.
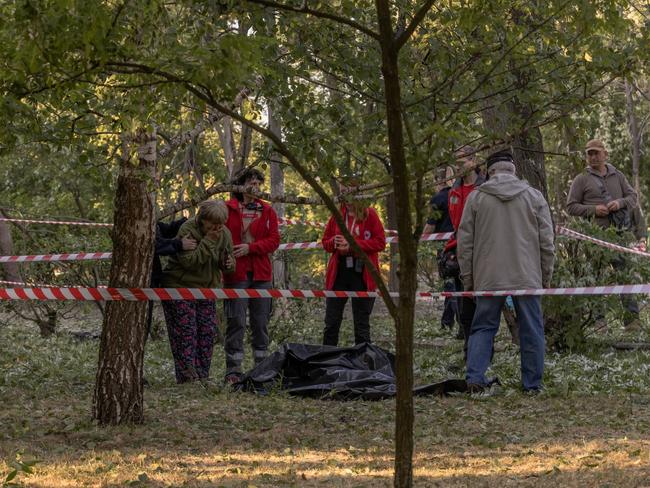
(163, 294)
(309, 223)
(281, 221)
(443, 236)
(78, 256)
(90, 256)
(320, 225)
(55, 222)
(289, 246)
(610, 245)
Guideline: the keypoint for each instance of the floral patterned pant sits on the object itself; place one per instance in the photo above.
(191, 325)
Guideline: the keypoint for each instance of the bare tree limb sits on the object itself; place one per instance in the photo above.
(188, 136)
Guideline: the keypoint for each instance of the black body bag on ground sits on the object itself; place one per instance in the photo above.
(364, 371)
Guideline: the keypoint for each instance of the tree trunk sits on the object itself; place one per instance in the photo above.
(528, 151)
(391, 223)
(527, 147)
(277, 189)
(118, 388)
(635, 136)
(11, 271)
(245, 145)
(47, 325)
(408, 251)
(224, 129)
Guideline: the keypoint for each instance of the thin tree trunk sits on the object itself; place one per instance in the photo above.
(11, 271)
(277, 189)
(224, 129)
(118, 388)
(635, 136)
(408, 252)
(527, 147)
(245, 145)
(391, 223)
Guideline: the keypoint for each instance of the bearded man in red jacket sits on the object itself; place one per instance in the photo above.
(461, 190)
(254, 228)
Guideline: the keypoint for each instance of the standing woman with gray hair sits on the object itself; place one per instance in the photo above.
(191, 324)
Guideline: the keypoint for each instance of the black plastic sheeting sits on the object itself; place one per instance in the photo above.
(364, 371)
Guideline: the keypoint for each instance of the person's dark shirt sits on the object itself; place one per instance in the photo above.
(166, 245)
(440, 212)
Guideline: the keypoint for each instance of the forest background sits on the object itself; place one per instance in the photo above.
(307, 91)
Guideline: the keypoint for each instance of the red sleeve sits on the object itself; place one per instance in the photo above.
(270, 243)
(377, 241)
(328, 237)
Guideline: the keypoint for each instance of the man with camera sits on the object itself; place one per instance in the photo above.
(471, 178)
(603, 193)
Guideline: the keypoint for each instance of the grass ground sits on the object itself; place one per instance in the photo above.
(590, 428)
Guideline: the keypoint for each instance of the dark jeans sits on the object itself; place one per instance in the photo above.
(349, 280)
(466, 310)
(259, 311)
(450, 310)
(531, 336)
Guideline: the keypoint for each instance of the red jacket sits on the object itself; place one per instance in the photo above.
(457, 197)
(266, 239)
(370, 236)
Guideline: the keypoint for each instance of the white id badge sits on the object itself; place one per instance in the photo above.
(349, 262)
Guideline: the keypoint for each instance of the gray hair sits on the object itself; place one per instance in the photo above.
(502, 167)
(465, 151)
(214, 211)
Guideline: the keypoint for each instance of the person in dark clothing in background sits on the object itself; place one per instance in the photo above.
(167, 244)
(439, 221)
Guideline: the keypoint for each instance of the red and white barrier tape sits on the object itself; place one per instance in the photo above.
(79, 256)
(585, 290)
(310, 223)
(282, 221)
(163, 294)
(37, 285)
(21, 283)
(55, 222)
(83, 256)
(577, 235)
(315, 245)
(102, 224)
(288, 246)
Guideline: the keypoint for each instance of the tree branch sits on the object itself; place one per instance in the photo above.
(284, 150)
(317, 13)
(404, 35)
(503, 57)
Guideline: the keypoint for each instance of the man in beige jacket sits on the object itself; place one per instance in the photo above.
(603, 193)
(601, 190)
(505, 242)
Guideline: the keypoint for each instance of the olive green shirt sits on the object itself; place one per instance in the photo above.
(203, 266)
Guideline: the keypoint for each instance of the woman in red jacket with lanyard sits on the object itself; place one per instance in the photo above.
(346, 271)
(254, 228)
